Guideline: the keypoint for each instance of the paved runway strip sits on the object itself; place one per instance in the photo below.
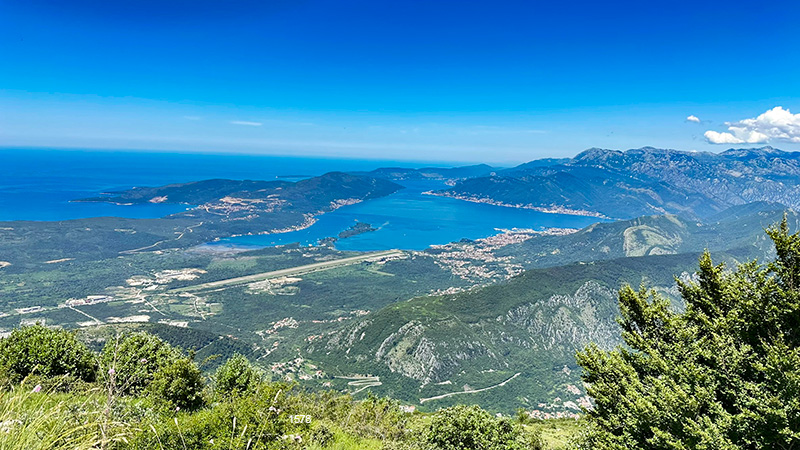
(299, 270)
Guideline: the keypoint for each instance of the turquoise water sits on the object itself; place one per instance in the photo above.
(39, 184)
(410, 220)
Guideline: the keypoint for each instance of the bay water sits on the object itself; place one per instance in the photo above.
(40, 184)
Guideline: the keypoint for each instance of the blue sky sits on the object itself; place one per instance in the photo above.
(441, 80)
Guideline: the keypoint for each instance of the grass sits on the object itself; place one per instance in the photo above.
(343, 441)
(557, 433)
(46, 420)
(81, 421)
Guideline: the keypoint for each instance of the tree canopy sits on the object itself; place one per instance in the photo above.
(723, 374)
(133, 359)
(236, 376)
(43, 351)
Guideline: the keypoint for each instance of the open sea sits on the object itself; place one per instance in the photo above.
(39, 184)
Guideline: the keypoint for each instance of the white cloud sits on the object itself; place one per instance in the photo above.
(777, 123)
(245, 122)
(714, 137)
(693, 118)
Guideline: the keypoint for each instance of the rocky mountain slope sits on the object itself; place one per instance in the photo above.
(632, 183)
(442, 349)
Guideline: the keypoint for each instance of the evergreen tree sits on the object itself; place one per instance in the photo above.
(724, 374)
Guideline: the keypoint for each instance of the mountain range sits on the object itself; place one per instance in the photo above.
(626, 184)
(494, 321)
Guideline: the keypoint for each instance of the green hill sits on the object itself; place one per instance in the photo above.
(452, 345)
(531, 325)
(223, 208)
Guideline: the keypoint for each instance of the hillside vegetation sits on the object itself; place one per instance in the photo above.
(142, 393)
(723, 374)
(717, 371)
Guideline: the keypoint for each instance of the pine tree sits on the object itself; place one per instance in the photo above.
(724, 374)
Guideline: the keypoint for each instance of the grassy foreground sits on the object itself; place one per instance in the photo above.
(142, 393)
(275, 417)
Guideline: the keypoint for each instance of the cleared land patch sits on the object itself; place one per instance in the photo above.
(292, 271)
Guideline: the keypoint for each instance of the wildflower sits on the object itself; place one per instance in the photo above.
(143, 360)
(37, 388)
(111, 371)
(6, 425)
(293, 437)
(177, 408)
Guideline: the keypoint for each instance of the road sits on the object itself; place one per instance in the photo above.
(180, 235)
(472, 391)
(362, 383)
(299, 270)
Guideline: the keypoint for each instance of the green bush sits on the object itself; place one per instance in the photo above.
(471, 428)
(321, 435)
(246, 422)
(46, 352)
(179, 384)
(130, 361)
(237, 376)
(724, 374)
(376, 417)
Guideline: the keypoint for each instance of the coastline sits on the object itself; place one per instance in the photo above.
(308, 221)
(553, 209)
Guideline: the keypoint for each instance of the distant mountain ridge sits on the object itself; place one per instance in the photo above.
(632, 183)
(432, 173)
(333, 184)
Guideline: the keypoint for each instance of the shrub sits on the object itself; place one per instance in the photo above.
(246, 422)
(321, 435)
(376, 417)
(471, 428)
(237, 376)
(178, 384)
(131, 360)
(47, 352)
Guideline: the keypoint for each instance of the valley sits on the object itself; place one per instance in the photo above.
(494, 320)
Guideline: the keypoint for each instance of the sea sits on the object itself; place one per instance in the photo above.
(40, 184)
